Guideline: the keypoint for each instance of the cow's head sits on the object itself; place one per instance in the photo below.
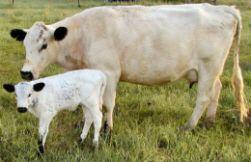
(25, 94)
(40, 43)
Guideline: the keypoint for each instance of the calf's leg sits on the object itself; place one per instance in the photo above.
(93, 108)
(97, 120)
(44, 123)
(87, 125)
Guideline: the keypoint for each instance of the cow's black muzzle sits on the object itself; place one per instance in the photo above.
(27, 75)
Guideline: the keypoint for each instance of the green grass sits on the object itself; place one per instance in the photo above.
(146, 118)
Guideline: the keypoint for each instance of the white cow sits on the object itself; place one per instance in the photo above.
(143, 45)
(47, 96)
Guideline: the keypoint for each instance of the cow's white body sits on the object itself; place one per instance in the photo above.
(146, 45)
(65, 91)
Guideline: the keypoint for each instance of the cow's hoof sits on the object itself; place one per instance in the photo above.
(106, 128)
(208, 123)
(107, 132)
(108, 137)
(248, 118)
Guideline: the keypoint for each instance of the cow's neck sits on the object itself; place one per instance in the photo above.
(71, 50)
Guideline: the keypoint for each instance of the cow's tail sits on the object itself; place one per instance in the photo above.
(237, 79)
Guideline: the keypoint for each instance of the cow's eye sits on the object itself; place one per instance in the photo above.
(29, 95)
(44, 46)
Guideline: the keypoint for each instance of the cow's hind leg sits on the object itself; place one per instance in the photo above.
(212, 107)
(205, 92)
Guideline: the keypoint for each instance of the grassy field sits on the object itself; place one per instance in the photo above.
(146, 118)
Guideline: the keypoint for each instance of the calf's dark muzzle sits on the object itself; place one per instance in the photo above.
(22, 109)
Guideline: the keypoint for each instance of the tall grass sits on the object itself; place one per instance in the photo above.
(146, 118)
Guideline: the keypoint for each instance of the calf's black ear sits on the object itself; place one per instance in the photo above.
(60, 33)
(18, 34)
(9, 87)
(38, 86)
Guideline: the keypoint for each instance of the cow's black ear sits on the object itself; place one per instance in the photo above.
(38, 86)
(18, 34)
(60, 33)
(9, 87)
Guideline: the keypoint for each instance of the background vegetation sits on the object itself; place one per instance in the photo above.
(146, 119)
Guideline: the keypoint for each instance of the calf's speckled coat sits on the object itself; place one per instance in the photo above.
(47, 96)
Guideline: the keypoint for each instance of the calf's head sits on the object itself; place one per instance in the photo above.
(41, 46)
(25, 94)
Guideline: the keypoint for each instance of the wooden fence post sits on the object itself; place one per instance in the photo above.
(79, 4)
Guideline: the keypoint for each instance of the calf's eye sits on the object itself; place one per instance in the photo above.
(29, 95)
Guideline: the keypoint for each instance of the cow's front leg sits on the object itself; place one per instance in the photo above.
(44, 123)
(111, 67)
(109, 103)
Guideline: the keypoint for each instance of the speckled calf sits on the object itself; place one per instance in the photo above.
(47, 96)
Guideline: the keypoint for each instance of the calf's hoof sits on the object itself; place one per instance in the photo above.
(79, 124)
(80, 141)
(41, 149)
